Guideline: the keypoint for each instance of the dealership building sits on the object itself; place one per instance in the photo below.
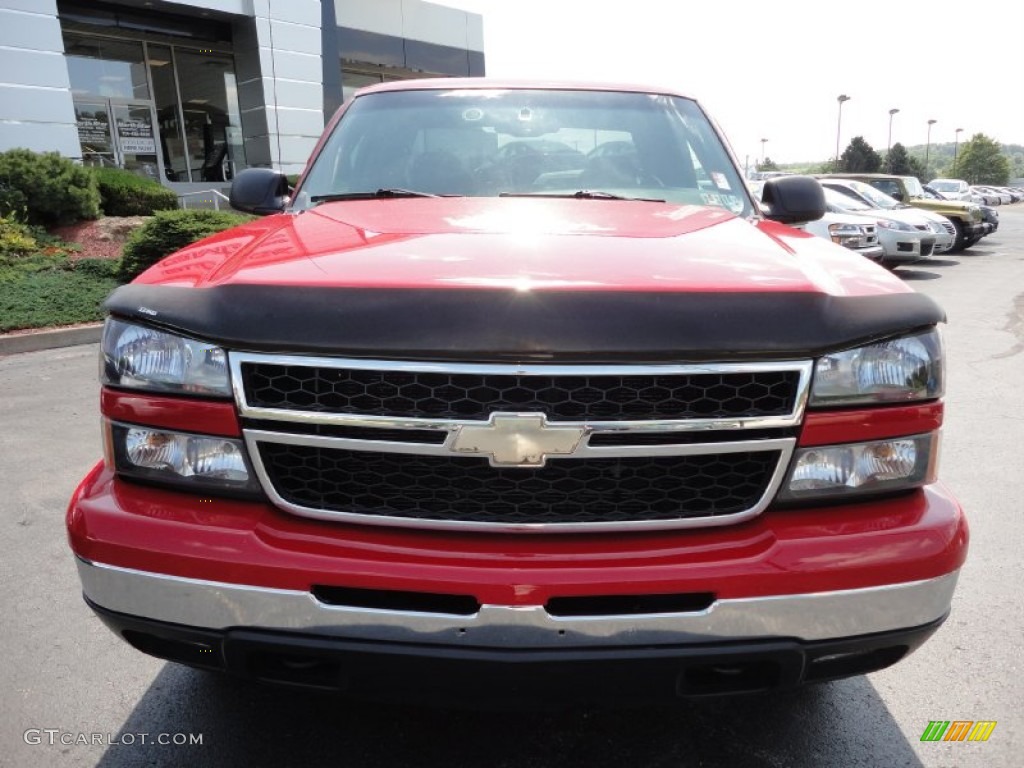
(191, 92)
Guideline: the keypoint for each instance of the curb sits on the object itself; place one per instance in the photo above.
(13, 344)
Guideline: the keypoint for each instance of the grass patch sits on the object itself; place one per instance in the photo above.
(42, 290)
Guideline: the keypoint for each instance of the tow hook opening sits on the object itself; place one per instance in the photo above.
(724, 678)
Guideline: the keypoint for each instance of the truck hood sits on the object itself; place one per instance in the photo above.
(953, 207)
(520, 244)
(523, 278)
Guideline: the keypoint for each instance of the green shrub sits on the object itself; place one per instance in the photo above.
(104, 269)
(12, 202)
(167, 232)
(15, 238)
(49, 188)
(123, 193)
(38, 291)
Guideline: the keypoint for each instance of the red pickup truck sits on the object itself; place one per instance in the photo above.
(519, 393)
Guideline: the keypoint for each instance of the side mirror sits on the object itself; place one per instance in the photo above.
(793, 199)
(259, 190)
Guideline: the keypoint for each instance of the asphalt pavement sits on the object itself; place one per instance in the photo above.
(66, 678)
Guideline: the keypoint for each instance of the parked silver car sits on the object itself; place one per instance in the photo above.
(906, 234)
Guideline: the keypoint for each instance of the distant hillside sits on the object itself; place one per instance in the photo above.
(940, 159)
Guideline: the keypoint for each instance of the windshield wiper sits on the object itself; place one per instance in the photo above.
(382, 193)
(583, 194)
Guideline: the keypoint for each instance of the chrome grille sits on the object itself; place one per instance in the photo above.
(383, 443)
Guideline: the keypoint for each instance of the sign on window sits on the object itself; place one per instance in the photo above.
(136, 136)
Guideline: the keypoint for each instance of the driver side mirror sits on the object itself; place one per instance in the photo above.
(793, 199)
(259, 190)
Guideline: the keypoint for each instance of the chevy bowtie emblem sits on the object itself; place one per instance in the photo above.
(517, 440)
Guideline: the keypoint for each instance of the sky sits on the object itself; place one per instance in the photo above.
(776, 70)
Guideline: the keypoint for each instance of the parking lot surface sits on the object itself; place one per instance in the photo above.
(66, 678)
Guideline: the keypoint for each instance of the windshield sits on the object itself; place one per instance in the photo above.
(945, 186)
(880, 199)
(844, 202)
(487, 143)
(913, 186)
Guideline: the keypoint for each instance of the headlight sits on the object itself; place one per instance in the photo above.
(896, 226)
(876, 467)
(139, 357)
(898, 370)
(844, 234)
(198, 461)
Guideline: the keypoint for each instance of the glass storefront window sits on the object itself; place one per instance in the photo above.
(114, 69)
(209, 103)
(165, 96)
(94, 134)
(192, 92)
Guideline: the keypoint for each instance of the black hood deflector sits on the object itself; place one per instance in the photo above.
(488, 325)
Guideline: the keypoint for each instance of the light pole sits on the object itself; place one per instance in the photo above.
(956, 144)
(928, 146)
(891, 113)
(839, 124)
(763, 142)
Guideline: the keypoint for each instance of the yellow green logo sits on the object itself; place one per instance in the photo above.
(958, 730)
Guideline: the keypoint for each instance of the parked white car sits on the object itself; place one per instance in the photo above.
(1003, 197)
(906, 234)
(858, 233)
(952, 189)
(1016, 194)
(986, 196)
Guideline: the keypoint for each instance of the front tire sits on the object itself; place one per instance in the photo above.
(958, 241)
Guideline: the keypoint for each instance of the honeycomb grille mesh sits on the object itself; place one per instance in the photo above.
(596, 490)
(605, 397)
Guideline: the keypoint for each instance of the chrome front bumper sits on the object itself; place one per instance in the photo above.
(807, 617)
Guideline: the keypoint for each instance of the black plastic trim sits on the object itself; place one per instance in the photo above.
(486, 325)
(466, 676)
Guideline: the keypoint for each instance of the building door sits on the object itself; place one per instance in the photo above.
(117, 133)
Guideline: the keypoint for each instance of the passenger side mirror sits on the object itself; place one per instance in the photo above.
(260, 190)
(793, 199)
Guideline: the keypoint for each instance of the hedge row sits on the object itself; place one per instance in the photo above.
(123, 193)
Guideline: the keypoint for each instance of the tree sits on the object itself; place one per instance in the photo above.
(859, 157)
(1017, 165)
(900, 163)
(981, 161)
(767, 165)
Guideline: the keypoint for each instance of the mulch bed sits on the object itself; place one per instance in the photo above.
(100, 239)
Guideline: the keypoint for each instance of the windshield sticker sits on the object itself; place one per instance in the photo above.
(720, 181)
(734, 203)
(730, 202)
